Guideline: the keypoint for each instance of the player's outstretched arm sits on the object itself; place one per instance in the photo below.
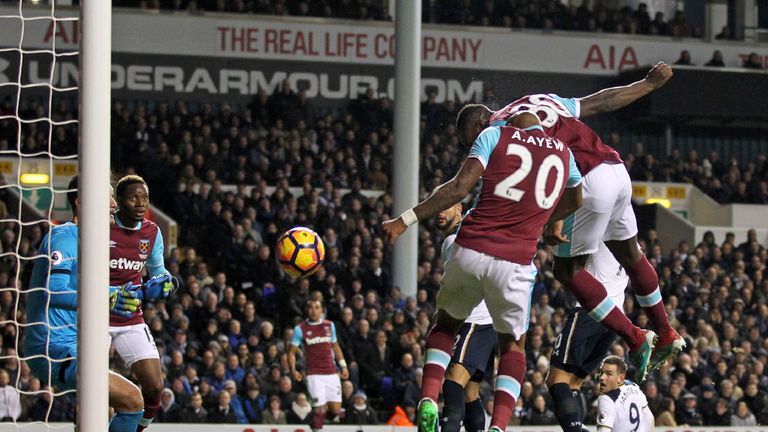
(613, 98)
(444, 196)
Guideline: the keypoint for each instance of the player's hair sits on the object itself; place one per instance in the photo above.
(310, 301)
(126, 181)
(470, 113)
(72, 193)
(617, 361)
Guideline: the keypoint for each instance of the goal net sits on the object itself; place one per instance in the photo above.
(40, 127)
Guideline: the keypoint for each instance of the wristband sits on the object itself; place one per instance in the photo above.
(342, 363)
(409, 217)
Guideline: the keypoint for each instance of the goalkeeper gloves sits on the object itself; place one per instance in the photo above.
(159, 287)
(123, 302)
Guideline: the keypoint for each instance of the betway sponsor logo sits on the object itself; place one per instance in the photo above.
(126, 264)
(318, 340)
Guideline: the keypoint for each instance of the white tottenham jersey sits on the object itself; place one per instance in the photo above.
(625, 410)
(479, 314)
(604, 267)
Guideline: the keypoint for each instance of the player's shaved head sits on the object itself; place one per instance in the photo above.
(471, 114)
(472, 119)
(126, 181)
(524, 119)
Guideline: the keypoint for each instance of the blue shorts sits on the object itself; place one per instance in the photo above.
(582, 344)
(61, 365)
(475, 349)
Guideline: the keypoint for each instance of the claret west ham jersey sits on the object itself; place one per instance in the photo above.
(525, 174)
(560, 118)
(317, 339)
(130, 251)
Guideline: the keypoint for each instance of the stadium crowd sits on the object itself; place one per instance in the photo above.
(546, 15)
(223, 335)
(726, 181)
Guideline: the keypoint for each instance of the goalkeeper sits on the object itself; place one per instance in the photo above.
(135, 244)
(50, 338)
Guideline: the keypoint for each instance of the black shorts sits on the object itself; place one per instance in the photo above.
(582, 345)
(475, 349)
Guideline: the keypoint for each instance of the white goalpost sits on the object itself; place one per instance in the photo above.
(36, 76)
(94, 151)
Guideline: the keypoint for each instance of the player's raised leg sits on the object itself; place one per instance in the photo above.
(621, 240)
(585, 229)
(593, 297)
(645, 282)
(580, 347)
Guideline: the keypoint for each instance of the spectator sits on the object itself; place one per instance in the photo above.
(725, 33)
(667, 415)
(223, 412)
(273, 414)
(684, 59)
(753, 61)
(539, 415)
(194, 412)
(689, 415)
(10, 409)
(743, 416)
(721, 416)
(254, 404)
(235, 402)
(169, 410)
(300, 410)
(716, 60)
(359, 413)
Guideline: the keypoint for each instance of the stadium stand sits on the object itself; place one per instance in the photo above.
(546, 15)
(223, 335)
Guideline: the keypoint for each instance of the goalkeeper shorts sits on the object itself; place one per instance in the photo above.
(58, 369)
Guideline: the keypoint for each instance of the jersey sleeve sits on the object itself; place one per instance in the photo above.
(333, 333)
(63, 255)
(571, 104)
(155, 263)
(606, 412)
(298, 336)
(574, 176)
(485, 144)
(650, 421)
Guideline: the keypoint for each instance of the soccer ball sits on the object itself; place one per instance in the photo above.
(300, 252)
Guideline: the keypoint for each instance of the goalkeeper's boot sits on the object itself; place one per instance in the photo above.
(641, 355)
(669, 345)
(427, 416)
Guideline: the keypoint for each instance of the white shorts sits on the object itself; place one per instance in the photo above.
(324, 388)
(606, 214)
(471, 276)
(133, 343)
